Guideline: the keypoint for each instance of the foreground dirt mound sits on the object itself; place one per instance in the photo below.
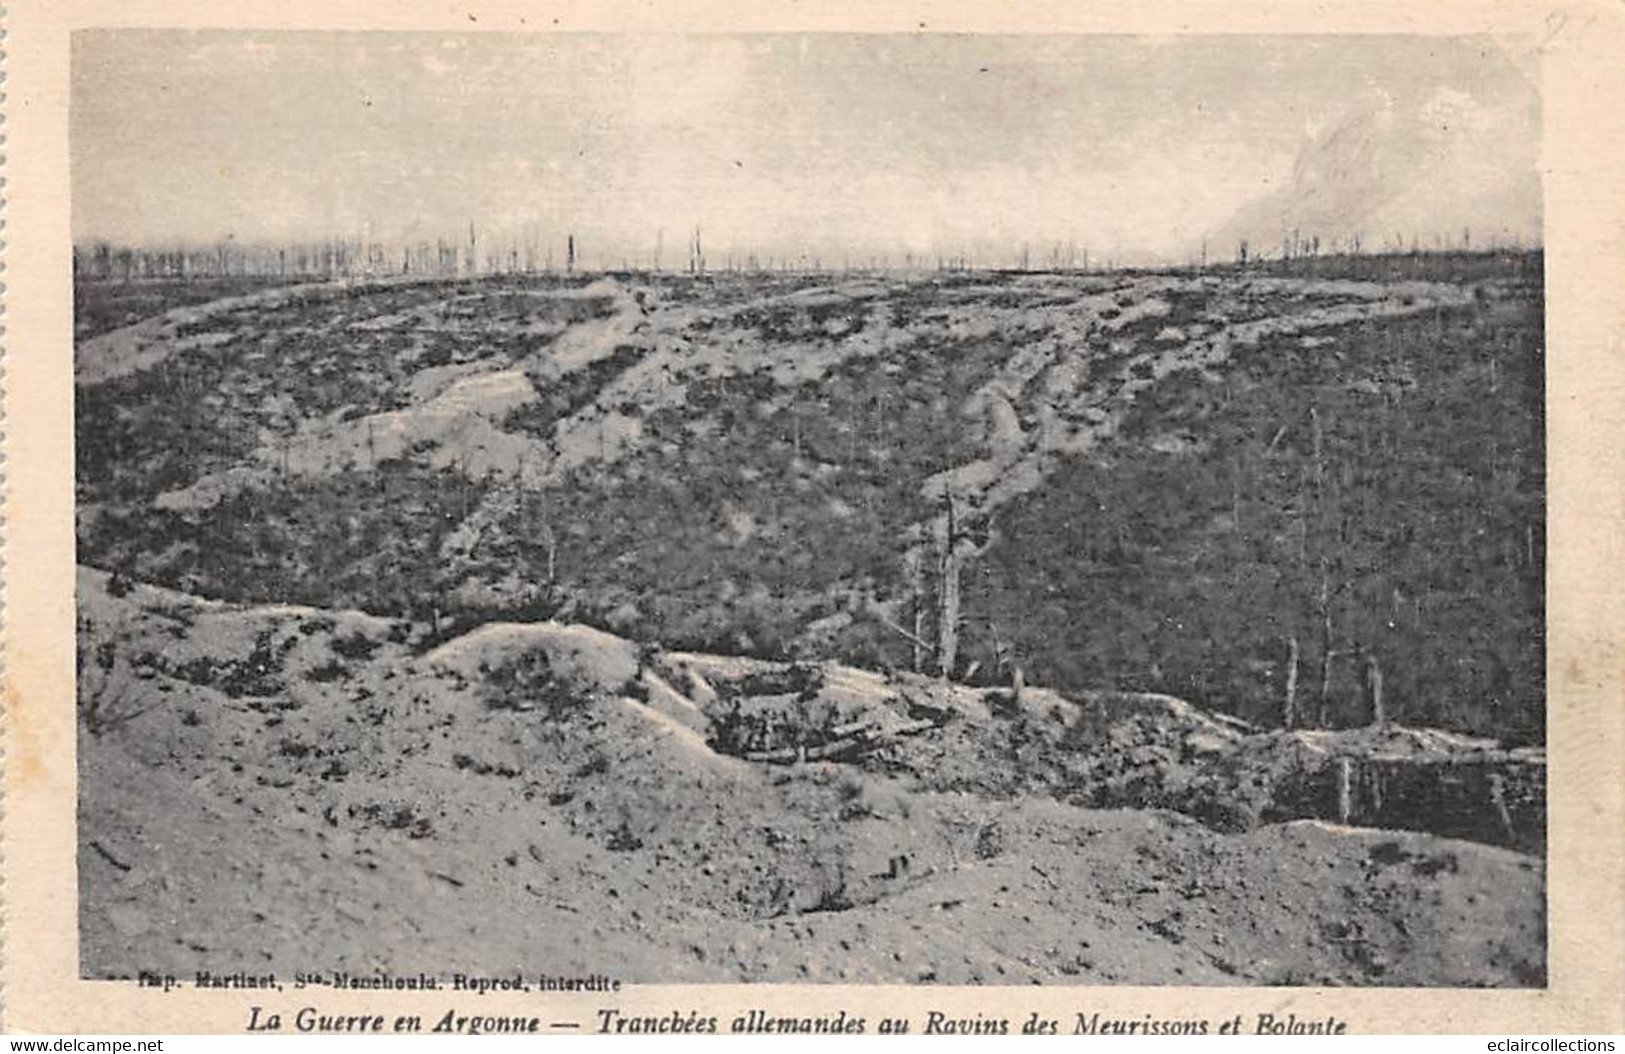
(279, 788)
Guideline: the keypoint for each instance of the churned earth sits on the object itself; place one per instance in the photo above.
(276, 788)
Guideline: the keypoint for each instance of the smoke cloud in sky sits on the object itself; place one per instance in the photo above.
(1138, 148)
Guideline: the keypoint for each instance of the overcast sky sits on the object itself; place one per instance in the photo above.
(775, 144)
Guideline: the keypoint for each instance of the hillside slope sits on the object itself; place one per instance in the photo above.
(773, 465)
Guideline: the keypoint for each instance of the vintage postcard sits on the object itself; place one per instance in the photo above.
(903, 518)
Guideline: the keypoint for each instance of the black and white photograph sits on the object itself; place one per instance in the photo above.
(931, 509)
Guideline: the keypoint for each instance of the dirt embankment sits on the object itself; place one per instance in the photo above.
(280, 788)
(1136, 750)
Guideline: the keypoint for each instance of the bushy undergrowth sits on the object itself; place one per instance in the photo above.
(529, 682)
(1422, 518)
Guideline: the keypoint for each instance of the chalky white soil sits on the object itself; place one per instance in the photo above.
(342, 802)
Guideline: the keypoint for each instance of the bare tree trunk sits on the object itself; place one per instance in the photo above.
(1373, 685)
(1318, 440)
(1345, 790)
(1327, 653)
(1498, 803)
(1303, 523)
(916, 577)
(1289, 710)
(948, 619)
(948, 632)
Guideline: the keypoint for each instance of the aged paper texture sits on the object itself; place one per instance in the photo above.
(943, 518)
